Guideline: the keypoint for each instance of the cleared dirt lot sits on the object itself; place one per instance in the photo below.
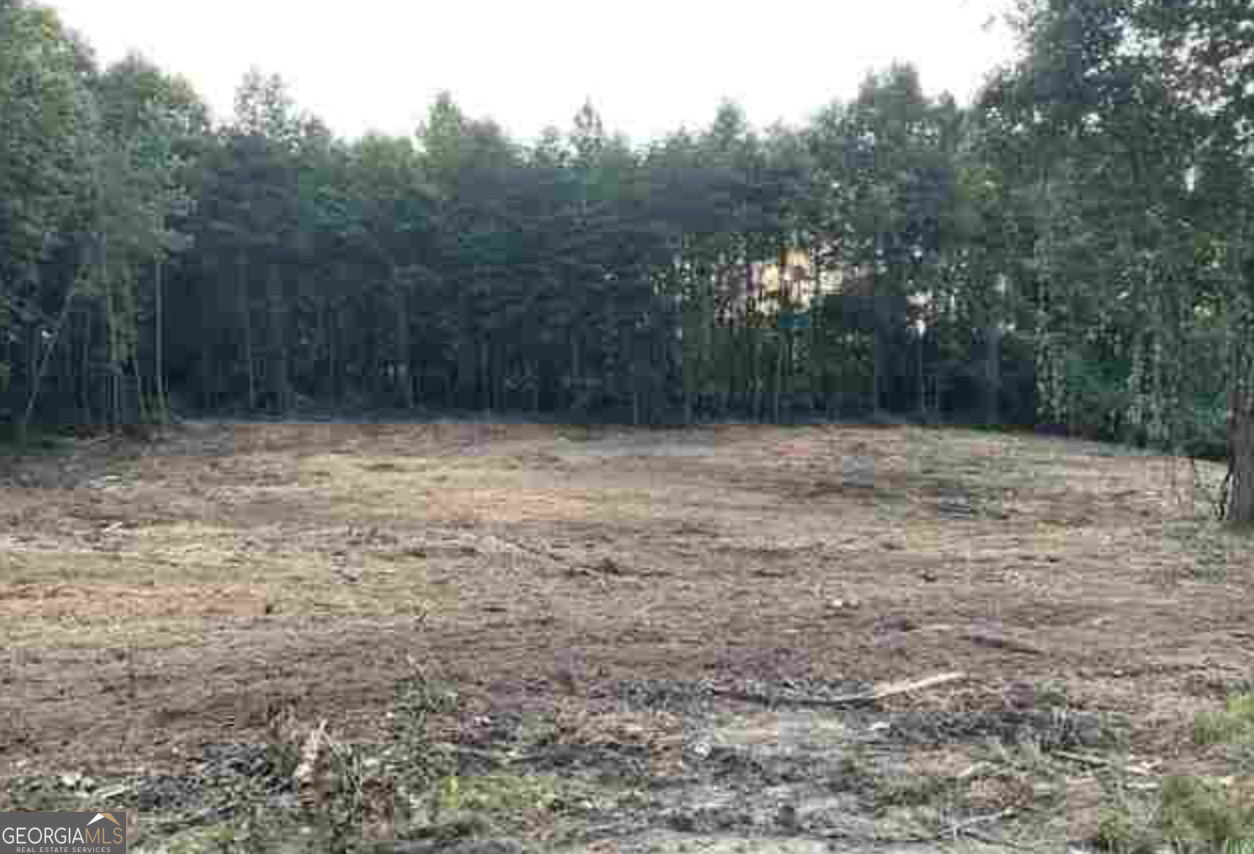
(227, 584)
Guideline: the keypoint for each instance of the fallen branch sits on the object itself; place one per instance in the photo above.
(967, 826)
(881, 692)
(313, 774)
(894, 688)
(977, 768)
(1100, 762)
(989, 839)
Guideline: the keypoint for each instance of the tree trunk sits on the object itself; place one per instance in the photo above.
(485, 375)
(781, 335)
(500, 371)
(467, 369)
(754, 390)
(246, 314)
(1240, 509)
(279, 360)
(815, 309)
(879, 314)
(992, 355)
(158, 322)
(65, 373)
(405, 365)
(333, 355)
(84, 370)
(779, 376)
(535, 387)
(36, 378)
(576, 370)
(207, 374)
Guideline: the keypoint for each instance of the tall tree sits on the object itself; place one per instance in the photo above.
(900, 182)
(46, 138)
(151, 128)
(1131, 113)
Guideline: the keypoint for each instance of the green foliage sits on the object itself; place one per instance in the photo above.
(1113, 125)
(1235, 723)
(556, 278)
(1123, 832)
(1203, 817)
(416, 700)
(1191, 815)
(43, 138)
(1058, 253)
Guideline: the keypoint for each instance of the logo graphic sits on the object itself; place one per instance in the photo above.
(62, 833)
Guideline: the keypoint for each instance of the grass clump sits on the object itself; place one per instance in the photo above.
(1192, 814)
(1201, 817)
(1233, 725)
(912, 791)
(1122, 832)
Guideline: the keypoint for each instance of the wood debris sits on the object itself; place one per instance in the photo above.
(313, 774)
(880, 692)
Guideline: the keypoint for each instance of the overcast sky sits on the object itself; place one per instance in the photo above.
(649, 66)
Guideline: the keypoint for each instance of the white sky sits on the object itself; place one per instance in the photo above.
(649, 66)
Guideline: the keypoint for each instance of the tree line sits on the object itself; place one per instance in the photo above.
(1071, 251)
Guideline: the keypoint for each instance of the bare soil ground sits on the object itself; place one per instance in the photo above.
(640, 627)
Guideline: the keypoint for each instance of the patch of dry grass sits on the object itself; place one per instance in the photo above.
(100, 632)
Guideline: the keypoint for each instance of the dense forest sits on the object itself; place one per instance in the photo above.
(1071, 252)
